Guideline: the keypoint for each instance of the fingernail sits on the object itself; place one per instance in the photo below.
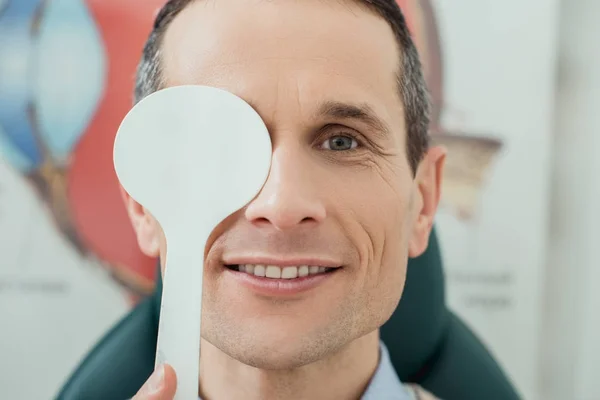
(157, 380)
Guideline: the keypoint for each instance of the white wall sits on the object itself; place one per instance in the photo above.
(53, 305)
(500, 63)
(570, 339)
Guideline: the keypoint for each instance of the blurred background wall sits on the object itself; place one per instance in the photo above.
(499, 63)
(570, 357)
(516, 89)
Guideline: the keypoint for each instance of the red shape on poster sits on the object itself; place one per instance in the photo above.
(93, 190)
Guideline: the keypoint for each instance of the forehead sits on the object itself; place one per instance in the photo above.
(272, 53)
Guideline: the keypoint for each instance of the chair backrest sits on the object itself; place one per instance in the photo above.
(431, 346)
(427, 343)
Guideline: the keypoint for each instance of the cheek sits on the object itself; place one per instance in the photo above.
(374, 206)
(391, 276)
(377, 203)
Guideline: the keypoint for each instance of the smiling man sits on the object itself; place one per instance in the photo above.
(298, 283)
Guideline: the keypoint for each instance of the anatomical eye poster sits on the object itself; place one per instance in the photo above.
(70, 264)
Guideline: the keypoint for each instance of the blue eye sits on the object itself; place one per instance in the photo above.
(340, 143)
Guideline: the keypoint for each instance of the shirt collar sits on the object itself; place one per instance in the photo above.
(385, 384)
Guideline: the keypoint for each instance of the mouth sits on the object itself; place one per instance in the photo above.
(270, 280)
(280, 272)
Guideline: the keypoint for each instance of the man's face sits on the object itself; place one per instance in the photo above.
(340, 193)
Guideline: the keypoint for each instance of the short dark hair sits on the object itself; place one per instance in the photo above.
(411, 81)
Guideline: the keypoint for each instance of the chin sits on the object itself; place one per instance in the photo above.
(273, 360)
(277, 347)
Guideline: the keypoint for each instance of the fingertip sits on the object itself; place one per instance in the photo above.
(170, 375)
(170, 380)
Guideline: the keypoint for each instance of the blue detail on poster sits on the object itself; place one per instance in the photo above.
(52, 79)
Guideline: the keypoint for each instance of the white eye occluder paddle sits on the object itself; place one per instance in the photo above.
(191, 156)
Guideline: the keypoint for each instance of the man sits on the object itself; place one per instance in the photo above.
(297, 284)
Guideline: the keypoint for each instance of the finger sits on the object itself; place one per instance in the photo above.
(160, 386)
(420, 394)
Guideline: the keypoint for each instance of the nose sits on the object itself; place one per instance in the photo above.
(289, 198)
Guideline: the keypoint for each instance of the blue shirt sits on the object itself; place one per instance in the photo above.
(385, 384)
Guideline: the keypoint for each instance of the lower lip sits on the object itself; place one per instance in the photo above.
(279, 287)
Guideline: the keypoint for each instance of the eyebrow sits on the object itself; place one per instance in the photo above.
(360, 112)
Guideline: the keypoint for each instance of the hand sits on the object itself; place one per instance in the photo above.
(160, 386)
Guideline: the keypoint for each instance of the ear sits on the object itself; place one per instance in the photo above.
(145, 226)
(429, 183)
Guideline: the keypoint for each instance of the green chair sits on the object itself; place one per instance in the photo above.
(428, 345)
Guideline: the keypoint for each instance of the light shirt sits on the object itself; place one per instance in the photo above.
(385, 384)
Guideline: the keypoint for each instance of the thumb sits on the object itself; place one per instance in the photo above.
(160, 386)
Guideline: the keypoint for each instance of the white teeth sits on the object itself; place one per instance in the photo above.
(303, 271)
(275, 272)
(259, 270)
(289, 273)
